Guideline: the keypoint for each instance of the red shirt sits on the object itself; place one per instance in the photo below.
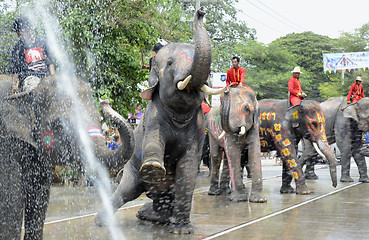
(358, 92)
(294, 88)
(236, 76)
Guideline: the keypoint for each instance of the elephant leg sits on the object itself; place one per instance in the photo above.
(129, 188)
(254, 161)
(216, 159)
(233, 154)
(245, 163)
(11, 193)
(37, 179)
(185, 180)
(360, 159)
(344, 145)
(344, 137)
(152, 169)
(224, 178)
(286, 179)
(308, 159)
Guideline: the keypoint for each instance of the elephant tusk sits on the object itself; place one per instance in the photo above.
(242, 131)
(318, 150)
(211, 91)
(222, 135)
(183, 84)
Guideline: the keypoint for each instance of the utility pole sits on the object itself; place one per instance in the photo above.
(198, 4)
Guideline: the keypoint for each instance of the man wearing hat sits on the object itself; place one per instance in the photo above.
(30, 60)
(294, 87)
(356, 91)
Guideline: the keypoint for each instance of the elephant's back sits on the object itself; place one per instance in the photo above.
(275, 105)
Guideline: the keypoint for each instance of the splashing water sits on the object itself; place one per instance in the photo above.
(66, 82)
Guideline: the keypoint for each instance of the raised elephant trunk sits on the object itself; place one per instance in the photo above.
(327, 151)
(200, 69)
(120, 156)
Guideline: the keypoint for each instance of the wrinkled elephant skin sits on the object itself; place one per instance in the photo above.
(40, 132)
(169, 137)
(282, 127)
(345, 126)
(239, 110)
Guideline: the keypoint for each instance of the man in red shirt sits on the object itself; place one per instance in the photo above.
(235, 75)
(356, 91)
(294, 88)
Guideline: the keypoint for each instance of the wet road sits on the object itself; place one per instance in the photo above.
(327, 213)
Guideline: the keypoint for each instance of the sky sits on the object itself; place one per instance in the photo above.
(276, 18)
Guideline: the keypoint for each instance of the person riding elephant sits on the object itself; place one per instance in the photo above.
(39, 131)
(238, 116)
(169, 137)
(281, 129)
(345, 125)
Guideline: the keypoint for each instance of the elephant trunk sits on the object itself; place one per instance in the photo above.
(200, 69)
(327, 151)
(120, 156)
(224, 114)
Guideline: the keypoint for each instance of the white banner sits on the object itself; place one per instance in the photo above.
(342, 61)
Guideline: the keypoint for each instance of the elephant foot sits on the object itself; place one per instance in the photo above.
(287, 189)
(148, 213)
(364, 179)
(152, 171)
(225, 190)
(238, 197)
(303, 190)
(257, 197)
(181, 228)
(100, 220)
(311, 175)
(214, 190)
(346, 179)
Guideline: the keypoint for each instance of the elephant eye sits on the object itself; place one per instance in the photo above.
(315, 124)
(170, 62)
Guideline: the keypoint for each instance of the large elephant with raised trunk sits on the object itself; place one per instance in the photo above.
(38, 130)
(281, 129)
(238, 115)
(345, 124)
(170, 135)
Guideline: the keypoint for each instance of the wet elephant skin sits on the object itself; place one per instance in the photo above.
(345, 126)
(169, 138)
(282, 127)
(239, 110)
(39, 132)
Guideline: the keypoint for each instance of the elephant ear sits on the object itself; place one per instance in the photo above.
(17, 117)
(153, 83)
(293, 115)
(351, 112)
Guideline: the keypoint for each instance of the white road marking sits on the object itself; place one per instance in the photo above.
(277, 213)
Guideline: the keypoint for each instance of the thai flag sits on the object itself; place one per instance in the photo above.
(95, 132)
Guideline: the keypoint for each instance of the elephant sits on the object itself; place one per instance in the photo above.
(238, 117)
(281, 129)
(39, 131)
(169, 137)
(345, 124)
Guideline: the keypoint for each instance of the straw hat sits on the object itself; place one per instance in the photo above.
(358, 78)
(296, 70)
